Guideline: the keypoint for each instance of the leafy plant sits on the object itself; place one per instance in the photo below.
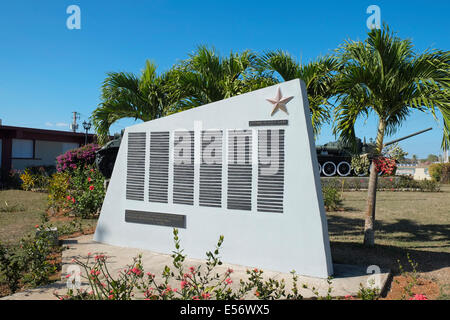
(440, 172)
(369, 293)
(28, 264)
(86, 193)
(332, 198)
(58, 190)
(360, 164)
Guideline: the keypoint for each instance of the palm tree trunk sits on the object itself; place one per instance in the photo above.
(369, 232)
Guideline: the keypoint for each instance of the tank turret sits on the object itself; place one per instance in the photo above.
(106, 156)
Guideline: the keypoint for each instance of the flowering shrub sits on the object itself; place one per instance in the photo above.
(73, 159)
(385, 165)
(86, 193)
(196, 283)
(419, 297)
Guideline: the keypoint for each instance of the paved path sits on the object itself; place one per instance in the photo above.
(346, 281)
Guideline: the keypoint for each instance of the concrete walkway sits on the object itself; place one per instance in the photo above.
(346, 280)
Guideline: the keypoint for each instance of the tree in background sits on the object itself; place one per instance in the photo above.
(385, 76)
(207, 77)
(125, 95)
(432, 158)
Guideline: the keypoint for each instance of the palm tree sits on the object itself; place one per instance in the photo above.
(318, 75)
(384, 75)
(124, 95)
(207, 77)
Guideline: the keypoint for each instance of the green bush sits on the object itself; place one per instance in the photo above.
(27, 264)
(397, 183)
(57, 190)
(87, 191)
(360, 164)
(332, 198)
(440, 172)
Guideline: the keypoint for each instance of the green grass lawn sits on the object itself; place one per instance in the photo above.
(407, 222)
(21, 211)
(417, 223)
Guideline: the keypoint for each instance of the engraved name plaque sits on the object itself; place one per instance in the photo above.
(156, 218)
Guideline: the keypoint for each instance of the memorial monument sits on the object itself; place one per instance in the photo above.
(244, 167)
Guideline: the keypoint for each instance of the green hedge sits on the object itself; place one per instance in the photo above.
(396, 183)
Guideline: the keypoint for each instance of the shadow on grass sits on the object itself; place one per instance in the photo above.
(403, 231)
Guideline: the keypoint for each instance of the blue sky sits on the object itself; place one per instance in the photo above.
(47, 71)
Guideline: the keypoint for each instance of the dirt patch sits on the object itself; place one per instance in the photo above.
(404, 287)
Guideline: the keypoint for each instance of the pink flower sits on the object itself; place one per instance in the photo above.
(136, 271)
(36, 226)
(192, 269)
(183, 284)
(206, 295)
(89, 179)
(419, 297)
(91, 187)
(111, 297)
(195, 298)
(228, 281)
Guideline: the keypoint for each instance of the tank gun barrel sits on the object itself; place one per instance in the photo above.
(406, 137)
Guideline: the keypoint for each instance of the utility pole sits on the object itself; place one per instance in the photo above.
(74, 125)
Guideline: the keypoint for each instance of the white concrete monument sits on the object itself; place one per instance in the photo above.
(244, 167)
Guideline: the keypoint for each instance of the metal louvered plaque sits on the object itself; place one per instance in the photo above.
(135, 166)
(183, 168)
(270, 170)
(239, 170)
(159, 167)
(211, 169)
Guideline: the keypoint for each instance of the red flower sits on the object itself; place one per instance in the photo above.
(419, 297)
(229, 281)
(91, 187)
(89, 179)
(36, 226)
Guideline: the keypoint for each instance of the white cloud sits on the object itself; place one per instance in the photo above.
(62, 124)
(49, 124)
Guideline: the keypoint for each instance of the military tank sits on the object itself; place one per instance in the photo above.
(106, 156)
(335, 157)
